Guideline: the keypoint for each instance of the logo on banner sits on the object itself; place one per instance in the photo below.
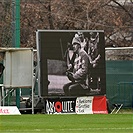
(59, 107)
(4, 111)
(84, 105)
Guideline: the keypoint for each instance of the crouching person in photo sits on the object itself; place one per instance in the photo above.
(79, 75)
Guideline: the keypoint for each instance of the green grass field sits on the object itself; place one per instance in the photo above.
(70, 123)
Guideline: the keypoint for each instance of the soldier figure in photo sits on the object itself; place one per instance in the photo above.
(93, 52)
(79, 75)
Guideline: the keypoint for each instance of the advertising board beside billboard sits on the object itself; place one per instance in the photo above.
(71, 62)
(9, 110)
(18, 64)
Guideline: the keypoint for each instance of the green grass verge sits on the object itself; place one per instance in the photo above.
(41, 123)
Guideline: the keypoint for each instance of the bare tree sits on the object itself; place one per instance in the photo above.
(5, 23)
(112, 16)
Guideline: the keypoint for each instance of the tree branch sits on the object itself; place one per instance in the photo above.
(122, 8)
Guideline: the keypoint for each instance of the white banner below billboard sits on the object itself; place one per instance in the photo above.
(84, 105)
(91, 105)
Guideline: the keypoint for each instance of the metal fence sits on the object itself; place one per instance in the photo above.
(119, 82)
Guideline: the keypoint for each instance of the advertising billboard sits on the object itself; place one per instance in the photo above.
(71, 62)
(79, 105)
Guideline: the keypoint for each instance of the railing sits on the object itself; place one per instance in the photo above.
(122, 93)
(5, 95)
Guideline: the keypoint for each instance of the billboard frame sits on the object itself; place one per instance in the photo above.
(39, 58)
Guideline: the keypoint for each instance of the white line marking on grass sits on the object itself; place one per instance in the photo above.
(38, 130)
(79, 129)
(69, 129)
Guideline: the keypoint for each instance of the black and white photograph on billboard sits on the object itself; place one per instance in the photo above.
(72, 63)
